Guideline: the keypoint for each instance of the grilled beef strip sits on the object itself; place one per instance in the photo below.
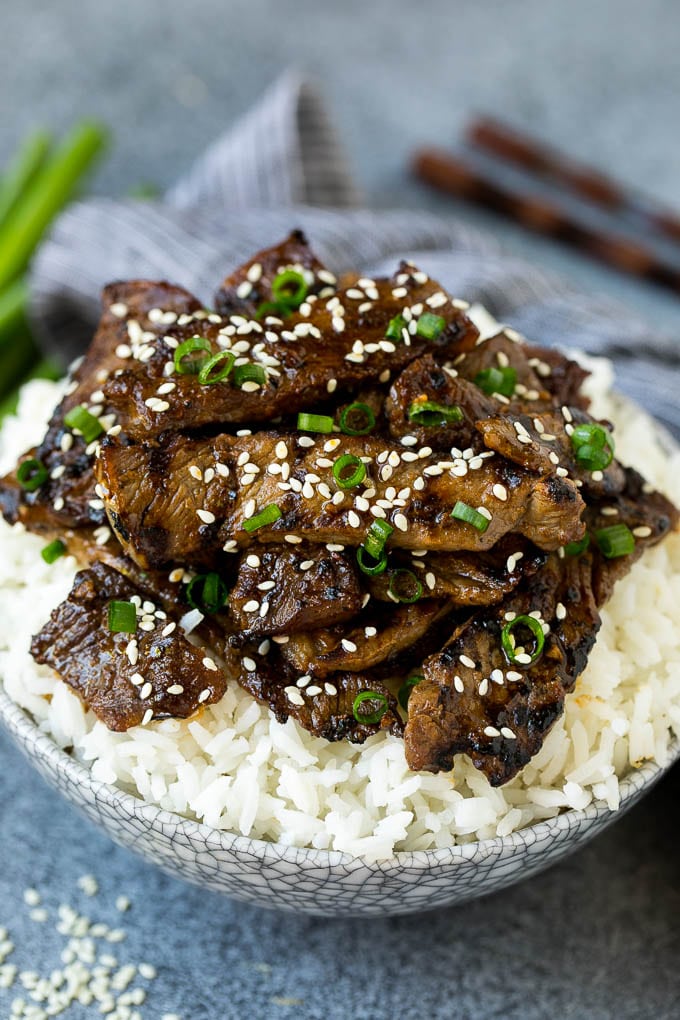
(124, 677)
(474, 700)
(324, 708)
(285, 589)
(339, 344)
(245, 290)
(188, 500)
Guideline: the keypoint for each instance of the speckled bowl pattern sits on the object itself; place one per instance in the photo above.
(316, 881)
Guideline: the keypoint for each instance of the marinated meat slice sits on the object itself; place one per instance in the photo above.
(283, 589)
(326, 708)
(474, 700)
(188, 500)
(125, 679)
(339, 346)
(389, 639)
(250, 286)
(544, 377)
(541, 442)
(134, 314)
(648, 514)
(467, 578)
(425, 379)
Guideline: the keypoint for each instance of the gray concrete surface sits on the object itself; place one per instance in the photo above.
(597, 937)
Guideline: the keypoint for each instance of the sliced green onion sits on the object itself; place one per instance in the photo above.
(371, 569)
(429, 326)
(614, 541)
(31, 474)
(271, 308)
(357, 420)
(406, 689)
(593, 446)
(377, 536)
(349, 471)
(122, 617)
(463, 512)
(207, 592)
(576, 548)
(269, 515)
(223, 361)
(249, 373)
(314, 422)
(404, 586)
(508, 641)
(497, 380)
(369, 717)
(395, 327)
(80, 418)
(289, 288)
(185, 362)
(53, 551)
(428, 412)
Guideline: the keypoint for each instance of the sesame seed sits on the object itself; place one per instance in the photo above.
(251, 606)
(458, 684)
(330, 689)
(466, 661)
(430, 580)
(206, 516)
(560, 611)
(513, 675)
(484, 687)
(203, 696)
(500, 492)
(491, 731)
(118, 309)
(292, 539)
(523, 659)
(353, 519)
(348, 645)
(313, 691)
(401, 522)
(508, 733)
(497, 676)
(176, 689)
(145, 691)
(147, 717)
(248, 663)
(294, 696)
(642, 531)
(210, 663)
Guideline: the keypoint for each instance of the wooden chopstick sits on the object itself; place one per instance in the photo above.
(541, 160)
(457, 177)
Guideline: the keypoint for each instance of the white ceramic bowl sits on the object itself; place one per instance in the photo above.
(315, 881)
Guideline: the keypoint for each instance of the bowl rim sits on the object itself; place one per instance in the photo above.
(20, 724)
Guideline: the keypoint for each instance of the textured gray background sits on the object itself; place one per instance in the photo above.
(597, 936)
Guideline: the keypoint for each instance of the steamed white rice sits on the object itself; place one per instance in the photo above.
(236, 768)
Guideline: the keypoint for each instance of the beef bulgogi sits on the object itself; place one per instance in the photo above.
(336, 494)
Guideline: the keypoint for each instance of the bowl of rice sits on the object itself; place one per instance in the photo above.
(266, 812)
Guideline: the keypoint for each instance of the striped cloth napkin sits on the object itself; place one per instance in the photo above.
(281, 166)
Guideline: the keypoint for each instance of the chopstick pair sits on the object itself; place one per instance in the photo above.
(461, 177)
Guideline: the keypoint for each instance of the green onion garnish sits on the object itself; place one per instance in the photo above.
(429, 326)
(404, 586)
(357, 420)
(349, 471)
(314, 422)
(289, 288)
(377, 536)
(508, 641)
(371, 569)
(122, 617)
(614, 541)
(217, 368)
(185, 361)
(80, 418)
(576, 548)
(430, 413)
(207, 592)
(53, 551)
(463, 512)
(497, 380)
(593, 446)
(31, 474)
(269, 515)
(395, 327)
(406, 688)
(370, 717)
(271, 308)
(249, 373)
